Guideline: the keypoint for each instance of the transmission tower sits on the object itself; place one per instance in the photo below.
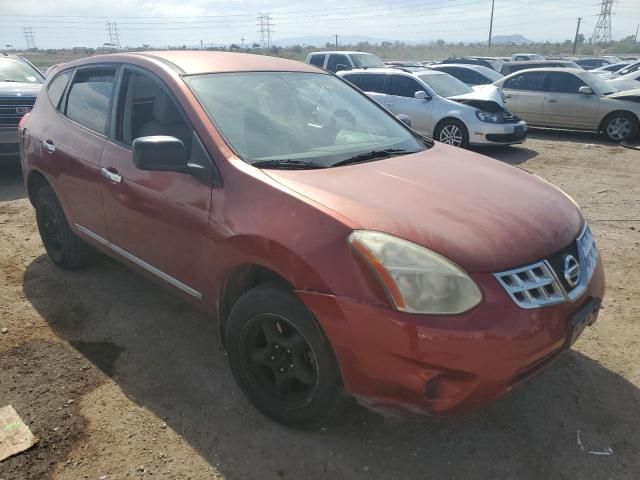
(28, 35)
(113, 34)
(265, 31)
(602, 32)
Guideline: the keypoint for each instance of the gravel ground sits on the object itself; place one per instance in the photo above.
(119, 380)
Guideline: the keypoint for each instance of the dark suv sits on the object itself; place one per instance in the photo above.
(20, 83)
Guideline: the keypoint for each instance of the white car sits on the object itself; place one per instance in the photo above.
(526, 57)
(472, 75)
(609, 71)
(441, 106)
(630, 81)
(343, 60)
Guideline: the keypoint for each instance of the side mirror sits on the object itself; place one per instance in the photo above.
(404, 119)
(421, 95)
(160, 153)
(341, 67)
(585, 90)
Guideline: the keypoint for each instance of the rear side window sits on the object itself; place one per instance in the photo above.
(317, 60)
(57, 86)
(90, 96)
(533, 81)
(372, 83)
(561, 82)
(402, 86)
(353, 78)
(337, 60)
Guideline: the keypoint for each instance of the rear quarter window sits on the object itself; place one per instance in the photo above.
(57, 86)
(373, 82)
(317, 60)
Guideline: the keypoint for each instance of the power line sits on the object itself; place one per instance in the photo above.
(602, 31)
(28, 35)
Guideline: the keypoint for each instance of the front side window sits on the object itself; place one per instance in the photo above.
(317, 60)
(402, 86)
(286, 117)
(18, 71)
(89, 97)
(532, 81)
(336, 61)
(445, 85)
(57, 86)
(561, 82)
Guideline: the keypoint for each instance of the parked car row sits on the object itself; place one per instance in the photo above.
(342, 253)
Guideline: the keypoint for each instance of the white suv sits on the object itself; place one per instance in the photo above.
(343, 60)
(441, 106)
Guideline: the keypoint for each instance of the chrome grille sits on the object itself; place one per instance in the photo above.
(532, 286)
(538, 284)
(13, 109)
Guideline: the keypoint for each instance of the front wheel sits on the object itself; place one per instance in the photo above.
(280, 358)
(620, 126)
(452, 132)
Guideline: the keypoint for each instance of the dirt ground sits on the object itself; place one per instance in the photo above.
(118, 379)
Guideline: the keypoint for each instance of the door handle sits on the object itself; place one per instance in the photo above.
(112, 177)
(49, 146)
(552, 100)
(507, 96)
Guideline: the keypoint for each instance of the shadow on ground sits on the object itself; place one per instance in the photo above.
(513, 155)
(11, 187)
(165, 357)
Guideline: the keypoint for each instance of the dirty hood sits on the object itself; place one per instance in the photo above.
(19, 89)
(484, 215)
(484, 97)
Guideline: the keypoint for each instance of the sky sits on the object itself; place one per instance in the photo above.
(159, 23)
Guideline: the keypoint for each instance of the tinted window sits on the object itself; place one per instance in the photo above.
(469, 76)
(402, 86)
(526, 81)
(335, 60)
(353, 78)
(372, 83)
(89, 96)
(57, 86)
(560, 82)
(317, 60)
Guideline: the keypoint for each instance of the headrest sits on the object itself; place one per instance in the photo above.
(164, 110)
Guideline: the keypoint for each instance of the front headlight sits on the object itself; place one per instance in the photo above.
(416, 279)
(489, 117)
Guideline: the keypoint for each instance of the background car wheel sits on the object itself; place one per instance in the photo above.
(620, 126)
(452, 132)
(281, 360)
(63, 247)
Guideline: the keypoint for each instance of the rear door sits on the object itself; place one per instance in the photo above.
(524, 94)
(157, 220)
(401, 99)
(75, 143)
(564, 106)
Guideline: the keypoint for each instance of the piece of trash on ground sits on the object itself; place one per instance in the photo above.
(15, 436)
(607, 451)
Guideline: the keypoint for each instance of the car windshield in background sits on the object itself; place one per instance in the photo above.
(13, 70)
(603, 87)
(491, 74)
(445, 85)
(298, 120)
(364, 60)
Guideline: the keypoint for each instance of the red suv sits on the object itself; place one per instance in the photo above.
(342, 253)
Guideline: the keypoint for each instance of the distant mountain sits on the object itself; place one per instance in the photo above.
(516, 39)
(321, 40)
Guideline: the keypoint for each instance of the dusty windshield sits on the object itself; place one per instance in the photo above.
(366, 60)
(13, 70)
(297, 117)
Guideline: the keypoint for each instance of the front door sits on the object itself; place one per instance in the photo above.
(157, 220)
(564, 106)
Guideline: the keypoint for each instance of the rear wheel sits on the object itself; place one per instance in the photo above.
(280, 358)
(452, 132)
(63, 247)
(620, 126)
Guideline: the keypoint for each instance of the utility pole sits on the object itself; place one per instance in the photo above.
(336, 41)
(112, 33)
(637, 28)
(493, 4)
(602, 32)
(575, 41)
(28, 35)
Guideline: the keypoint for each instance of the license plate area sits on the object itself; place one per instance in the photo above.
(586, 316)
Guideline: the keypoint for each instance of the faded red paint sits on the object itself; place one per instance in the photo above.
(480, 213)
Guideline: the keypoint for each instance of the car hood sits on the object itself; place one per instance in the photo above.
(483, 214)
(485, 97)
(633, 94)
(19, 89)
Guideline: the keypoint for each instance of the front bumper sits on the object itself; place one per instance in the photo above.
(425, 365)
(481, 133)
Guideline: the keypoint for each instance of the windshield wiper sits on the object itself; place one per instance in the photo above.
(287, 164)
(373, 155)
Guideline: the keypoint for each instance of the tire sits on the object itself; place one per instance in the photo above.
(63, 247)
(281, 360)
(452, 132)
(620, 126)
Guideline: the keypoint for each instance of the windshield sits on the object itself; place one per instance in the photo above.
(366, 60)
(599, 84)
(14, 70)
(299, 117)
(445, 85)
